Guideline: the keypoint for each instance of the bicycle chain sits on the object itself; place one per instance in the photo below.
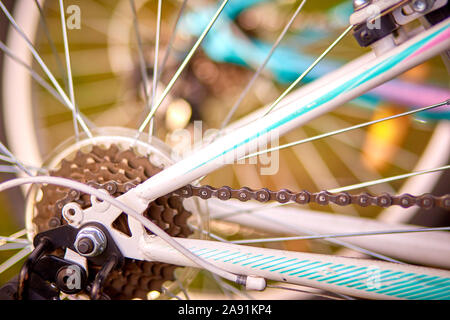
(73, 195)
(137, 278)
(425, 201)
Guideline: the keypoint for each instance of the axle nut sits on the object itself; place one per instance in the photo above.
(90, 242)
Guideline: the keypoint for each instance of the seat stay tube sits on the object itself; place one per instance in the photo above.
(246, 139)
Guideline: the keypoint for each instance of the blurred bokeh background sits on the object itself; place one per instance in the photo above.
(109, 90)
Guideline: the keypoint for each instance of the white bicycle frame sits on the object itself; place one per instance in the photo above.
(344, 88)
(363, 278)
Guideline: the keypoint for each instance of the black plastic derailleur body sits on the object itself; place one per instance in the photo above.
(366, 33)
(44, 275)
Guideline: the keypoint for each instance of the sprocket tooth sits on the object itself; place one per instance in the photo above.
(154, 210)
(80, 158)
(155, 285)
(186, 231)
(168, 215)
(99, 151)
(125, 156)
(174, 230)
(168, 272)
(181, 218)
(124, 168)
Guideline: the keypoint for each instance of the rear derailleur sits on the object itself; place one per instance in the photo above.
(45, 275)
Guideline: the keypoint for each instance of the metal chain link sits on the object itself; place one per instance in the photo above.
(426, 201)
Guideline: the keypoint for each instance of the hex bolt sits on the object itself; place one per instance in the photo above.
(90, 242)
(421, 5)
(359, 4)
(85, 246)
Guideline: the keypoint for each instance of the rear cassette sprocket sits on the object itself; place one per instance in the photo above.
(116, 171)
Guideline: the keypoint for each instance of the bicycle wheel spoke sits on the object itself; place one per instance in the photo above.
(357, 138)
(332, 133)
(30, 168)
(225, 290)
(247, 211)
(142, 63)
(155, 66)
(44, 66)
(9, 169)
(340, 235)
(13, 246)
(15, 238)
(314, 164)
(228, 289)
(5, 151)
(42, 82)
(51, 42)
(318, 170)
(298, 230)
(385, 180)
(171, 40)
(33, 73)
(170, 294)
(260, 68)
(207, 87)
(181, 68)
(210, 234)
(318, 294)
(351, 159)
(182, 288)
(15, 258)
(69, 70)
(307, 71)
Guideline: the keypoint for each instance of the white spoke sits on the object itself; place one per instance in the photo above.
(171, 40)
(155, 66)
(13, 246)
(357, 138)
(307, 71)
(33, 73)
(297, 230)
(261, 67)
(181, 68)
(50, 40)
(12, 161)
(228, 289)
(247, 211)
(351, 159)
(15, 258)
(340, 235)
(319, 294)
(142, 63)
(8, 153)
(212, 235)
(9, 169)
(69, 69)
(182, 288)
(15, 238)
(19, 234)
(170, 294)
(314, 164)
(394, 178)
(39, 80)
(332, 133)
(44, 67)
